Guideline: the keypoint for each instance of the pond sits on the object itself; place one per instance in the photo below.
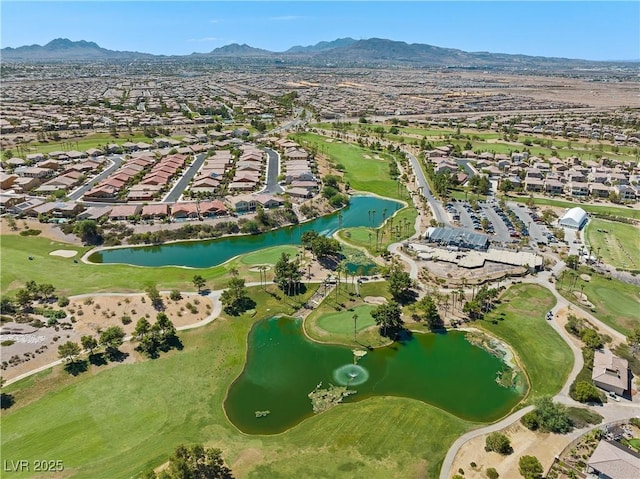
(283, 367)
(204, 254)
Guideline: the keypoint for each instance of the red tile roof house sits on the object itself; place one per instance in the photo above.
(155, 211)
(184, 210)
(101, 193)
(212, 208)
(144, 192)
(160, 178)
(123, 212)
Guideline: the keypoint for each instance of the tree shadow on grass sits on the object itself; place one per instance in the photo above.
(6, 401)
(97, 359)
(116, 356)
(76, 367)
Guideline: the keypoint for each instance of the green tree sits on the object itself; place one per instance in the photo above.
(572, 261)
(142, 329)
(287, 274)
(23, 298)
(89, 343)
(492, 473)
(552, 417)
(69, 351)
(429, 310)
(235, 298)
(498, 442)
(88, 231)
(530, 421)
(388, 316)
(194, 462)
(585, 391)
(530, 467)
(591, 338)
(154, 296)
(7, 306)
(199, 282)
(46, 290)
(399, 283)
(111, 339)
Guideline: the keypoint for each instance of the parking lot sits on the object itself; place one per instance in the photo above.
(505, 225)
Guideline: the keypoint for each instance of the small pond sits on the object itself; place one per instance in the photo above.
(283, 367)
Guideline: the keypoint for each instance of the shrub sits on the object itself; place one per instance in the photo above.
(126, 319)
(585, 391)
(63, 301)
(530, 421)
(175, 295)
(498, 442)
(492, 473)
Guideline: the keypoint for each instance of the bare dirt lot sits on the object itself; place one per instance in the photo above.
(524, 442)
(36, 347)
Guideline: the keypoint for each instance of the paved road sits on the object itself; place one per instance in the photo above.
(115, 159)
(610, 411)
(273, 170)
(183, 182)
(436, 207)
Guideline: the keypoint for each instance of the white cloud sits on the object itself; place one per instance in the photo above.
(203, 39)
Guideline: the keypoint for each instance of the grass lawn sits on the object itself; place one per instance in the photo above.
(364, 173)
(71, 278)
(332, 320)
(615, 303)
(95, 140)
(617, 243)
(342, 321)
(131, 417)
(601, 209)
(268, 255)
(359, 236)
(519, 320)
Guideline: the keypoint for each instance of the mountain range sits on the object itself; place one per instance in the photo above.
(339, 52)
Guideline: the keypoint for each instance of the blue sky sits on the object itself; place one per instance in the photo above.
(575, 29)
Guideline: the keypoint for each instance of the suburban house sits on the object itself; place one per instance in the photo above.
(123, 212)
(156, 211)
(610, 372)
(612, 460)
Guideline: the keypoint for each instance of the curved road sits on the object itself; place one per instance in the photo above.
(116, 162)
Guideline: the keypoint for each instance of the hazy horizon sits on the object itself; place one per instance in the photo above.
(575, 29)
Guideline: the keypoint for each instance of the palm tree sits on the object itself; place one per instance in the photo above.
(355, 326)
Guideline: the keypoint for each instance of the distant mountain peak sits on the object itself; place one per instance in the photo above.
(65, 43)
(322, 46)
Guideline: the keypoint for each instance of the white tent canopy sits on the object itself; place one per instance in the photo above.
(574, 218)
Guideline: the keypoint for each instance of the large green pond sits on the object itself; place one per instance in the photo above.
(204, 254)
(283, 367)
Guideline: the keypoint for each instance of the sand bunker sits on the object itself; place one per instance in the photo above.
(65, 253)
(585, 277)
(375, 299)
(257, 269)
